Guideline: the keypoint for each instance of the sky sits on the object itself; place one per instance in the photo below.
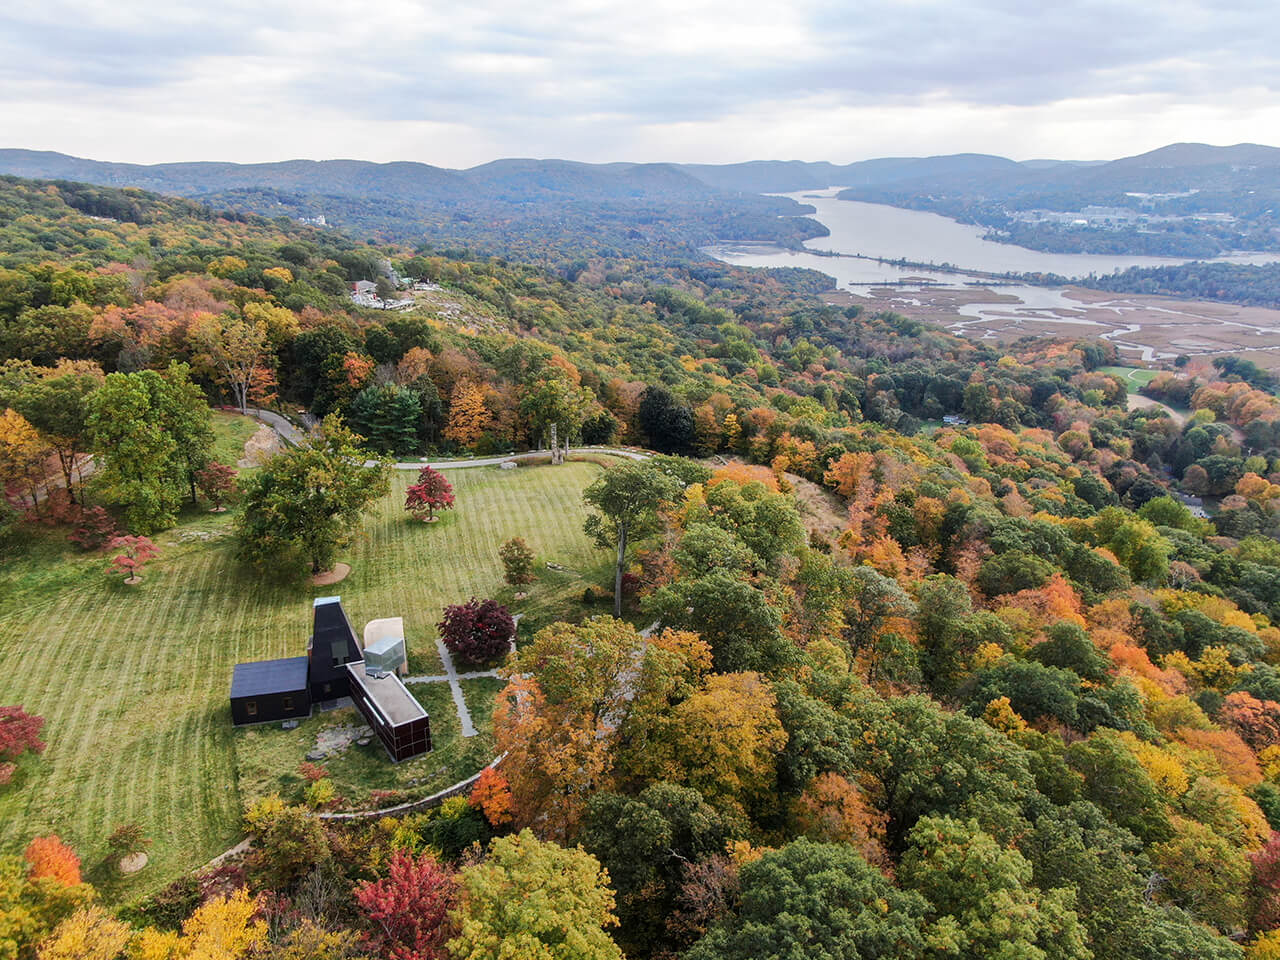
(457, 84)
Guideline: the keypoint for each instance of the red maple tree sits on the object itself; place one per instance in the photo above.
(135, 553)
(477, 631)
(411, 906)
(216, 482)
(432, 492)
(19, 732)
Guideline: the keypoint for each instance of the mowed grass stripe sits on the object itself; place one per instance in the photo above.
(133, 681)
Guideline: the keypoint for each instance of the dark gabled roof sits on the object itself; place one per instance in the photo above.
(330, 625)
(264, 677)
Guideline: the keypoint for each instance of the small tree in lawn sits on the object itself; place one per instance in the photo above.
(627, 499)
(19, 732)
(432, 492)
(217, 481)
(517, 562)
(306, 502)
(478, 631)
(126, 840)
(135, 553)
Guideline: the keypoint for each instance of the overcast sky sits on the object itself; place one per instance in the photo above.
(455, 84)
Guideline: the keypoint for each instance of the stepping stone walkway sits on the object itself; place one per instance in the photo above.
(451, 677)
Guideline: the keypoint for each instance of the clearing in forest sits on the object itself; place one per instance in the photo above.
(133, 681)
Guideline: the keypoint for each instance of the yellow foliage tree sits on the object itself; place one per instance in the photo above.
(226, 266)
(724, 741)
(467, 414)
(22, 453)
(281, 323)
(88, 934)
(1001, 716)
(221, 929)
(1265, 947)
(1165, 770)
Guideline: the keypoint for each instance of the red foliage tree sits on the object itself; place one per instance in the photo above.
(1266, 886)
(432, 492)
(477, 631)
(312, 772)
(50, 857)
(411, 906)
(95, 530)
(492, 796)
(19, 732)
(1257, 721)
(135, 553)
(216, 481)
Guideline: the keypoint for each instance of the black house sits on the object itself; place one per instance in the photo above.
(270, 690)
(333, 645)
(334, 667)
(393, 712)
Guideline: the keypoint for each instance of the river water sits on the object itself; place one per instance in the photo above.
(876, 230)
(860, 231)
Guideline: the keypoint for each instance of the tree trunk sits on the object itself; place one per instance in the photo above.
(67, 460)
(617, 576)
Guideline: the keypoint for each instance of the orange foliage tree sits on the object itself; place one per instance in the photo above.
(491, 795)
(833, 810)
(1233, 755)
(50, 857)
(1257, 721)
(467, 414)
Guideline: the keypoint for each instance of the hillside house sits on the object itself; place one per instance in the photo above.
(335, 668)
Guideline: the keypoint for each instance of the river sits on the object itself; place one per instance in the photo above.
(871, 230)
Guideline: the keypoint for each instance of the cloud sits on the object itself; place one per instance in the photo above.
(705, 80)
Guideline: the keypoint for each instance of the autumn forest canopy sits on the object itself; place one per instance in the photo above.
(906, 646)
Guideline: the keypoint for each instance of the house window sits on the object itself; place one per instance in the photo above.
(251, 707)
(328, 688)
(288, 703)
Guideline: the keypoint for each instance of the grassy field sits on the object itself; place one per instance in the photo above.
(133, 681)
(230, 431)
(1135, 378)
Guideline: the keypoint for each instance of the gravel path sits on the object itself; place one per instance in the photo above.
(451, 677)
(297, 437)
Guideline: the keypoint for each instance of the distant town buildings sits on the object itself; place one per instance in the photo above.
(364, 293)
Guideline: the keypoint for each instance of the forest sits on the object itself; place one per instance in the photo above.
(1256, 286)
(921, 647)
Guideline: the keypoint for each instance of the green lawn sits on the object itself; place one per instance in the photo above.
(1135, 378)
(133, 681)
(230, 431)
(267, 757)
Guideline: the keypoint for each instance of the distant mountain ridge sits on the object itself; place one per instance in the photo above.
(519, 180)
(528, 178)
(521, 204)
